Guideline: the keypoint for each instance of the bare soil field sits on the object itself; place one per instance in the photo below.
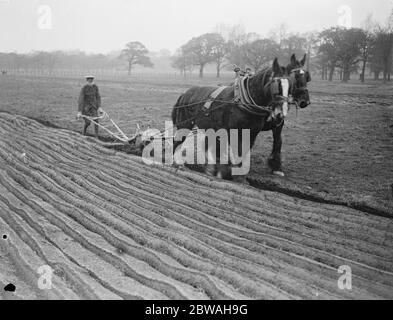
(338, 150)
(111, 227)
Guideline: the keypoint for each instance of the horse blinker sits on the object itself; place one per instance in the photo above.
(274, 88)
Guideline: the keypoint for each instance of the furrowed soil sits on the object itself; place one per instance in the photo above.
(340, 149)
(111, 227)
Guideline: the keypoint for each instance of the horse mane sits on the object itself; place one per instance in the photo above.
(267, 73)
(257, 87)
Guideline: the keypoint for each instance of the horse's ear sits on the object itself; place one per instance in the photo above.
(303, 62)
(276, 66)
(293, 59)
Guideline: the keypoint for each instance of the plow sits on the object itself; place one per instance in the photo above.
(106, 123)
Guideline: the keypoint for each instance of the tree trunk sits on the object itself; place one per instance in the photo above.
(363, 75)
(129, 68)
(346, 76)
(376, 75)
(345, 73)
(218, 70)
(331, 73)
(202, 66)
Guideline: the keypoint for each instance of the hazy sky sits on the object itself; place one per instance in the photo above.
(106, 25)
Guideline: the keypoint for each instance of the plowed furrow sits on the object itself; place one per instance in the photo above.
(124, 295)
(197, 280)
(142, 240)
(109, 222)
(196, 248)
(129, 232)
(26, 264)
(73, 280)
(363, 232)
(348, 231)
(107, 256)
(112, 227)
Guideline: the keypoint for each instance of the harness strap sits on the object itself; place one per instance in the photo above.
(244, 94)
(213, 97)
(245, 101)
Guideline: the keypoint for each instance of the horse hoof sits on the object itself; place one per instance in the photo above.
(279, 174)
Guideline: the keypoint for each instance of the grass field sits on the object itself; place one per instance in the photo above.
(340, 148)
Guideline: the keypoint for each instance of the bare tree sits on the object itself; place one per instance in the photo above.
(279, 34)
(238, 48)
(383, 51)
(327, 54)
(201, 50)
(136, 54)
(292, 44)
(311, 46)
(220, 51)
(342, 47)
(260, 52)
(182, 61)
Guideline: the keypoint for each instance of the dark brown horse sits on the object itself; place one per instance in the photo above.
(264, 88)
(299, 79)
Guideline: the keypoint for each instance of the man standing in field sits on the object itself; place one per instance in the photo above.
(89, 104)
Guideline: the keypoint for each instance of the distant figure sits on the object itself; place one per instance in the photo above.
(89, 104)
(249, 72)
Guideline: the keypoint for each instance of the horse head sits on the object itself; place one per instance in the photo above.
(299, 79)
(280, 89)
(276, 89)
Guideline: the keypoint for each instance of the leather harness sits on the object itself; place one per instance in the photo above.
(243, 98)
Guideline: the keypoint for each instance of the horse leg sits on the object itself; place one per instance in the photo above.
(274, 160)
(246, 154)
(224, 168)
(211, 162)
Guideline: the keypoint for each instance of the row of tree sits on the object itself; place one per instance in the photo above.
(244, 50)
(353, 50)
(50, 61)
(334, 51)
